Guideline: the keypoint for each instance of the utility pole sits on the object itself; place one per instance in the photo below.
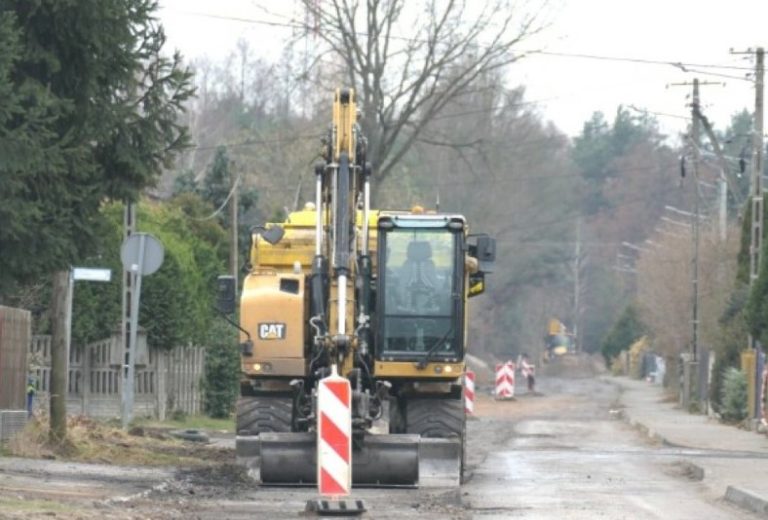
(126, 404)
(576, 284)
(59, 356)
(233, 204)
(696, 226)
(695, 145)
(692, 385)
(757, 172)
(756, 181)
(754, 355)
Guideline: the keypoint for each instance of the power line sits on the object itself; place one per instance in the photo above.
(291, 24)
(255, 142)
(679, 64)
(223, 204)
(274, 188)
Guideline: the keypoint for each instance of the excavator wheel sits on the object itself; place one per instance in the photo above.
(257, 414)
(439, 419)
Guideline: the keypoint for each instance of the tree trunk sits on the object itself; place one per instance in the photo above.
(58, 386)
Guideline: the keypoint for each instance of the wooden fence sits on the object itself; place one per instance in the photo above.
(15, 327)
(166, 381)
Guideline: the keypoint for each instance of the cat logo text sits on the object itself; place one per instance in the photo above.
(272, 330)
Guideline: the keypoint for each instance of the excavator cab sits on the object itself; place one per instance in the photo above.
(421, 282)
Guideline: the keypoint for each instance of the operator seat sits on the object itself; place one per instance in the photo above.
(418, 270)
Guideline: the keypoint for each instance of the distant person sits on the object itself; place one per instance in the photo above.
(528, 370)
(31, 391)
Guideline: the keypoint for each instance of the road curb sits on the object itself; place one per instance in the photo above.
(642, 428)
(747, 500)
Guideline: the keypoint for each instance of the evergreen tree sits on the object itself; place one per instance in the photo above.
(89, 111)
(627, 329)
(90, 75)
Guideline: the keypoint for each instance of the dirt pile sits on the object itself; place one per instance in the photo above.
(574, 366)
(89, 440)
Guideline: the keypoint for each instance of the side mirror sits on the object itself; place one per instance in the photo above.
(225, 294)
(273, 235)
(486, 249)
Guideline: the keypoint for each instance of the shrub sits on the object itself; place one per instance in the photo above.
(222, 371)
(727, 358)
(733, 403)
(627, 329)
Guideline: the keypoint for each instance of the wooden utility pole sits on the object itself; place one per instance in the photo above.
(233, 204)
(756, 181)
(695, 137)
(757, 172)
(756, 228)
(58, 383)
(576, 286)
(695, 142)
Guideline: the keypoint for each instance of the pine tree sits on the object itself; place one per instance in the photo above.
(91, 114)
(89, 76)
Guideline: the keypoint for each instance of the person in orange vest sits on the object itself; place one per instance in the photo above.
(529, 372)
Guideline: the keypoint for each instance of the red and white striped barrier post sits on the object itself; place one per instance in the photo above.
(505, 381)
(334, 436)
(334, 448)
(469, 392)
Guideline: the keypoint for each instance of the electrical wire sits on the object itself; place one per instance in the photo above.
(223, 204)
(252, 142)
(292, 24)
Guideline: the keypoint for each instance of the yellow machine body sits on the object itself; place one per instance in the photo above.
(268, 299)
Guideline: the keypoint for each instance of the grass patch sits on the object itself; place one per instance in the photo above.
(192, 422)
(93, 441)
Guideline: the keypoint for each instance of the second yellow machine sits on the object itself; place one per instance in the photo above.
(382, 295)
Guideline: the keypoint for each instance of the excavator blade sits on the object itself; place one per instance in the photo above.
(439, 462)
(402, 460)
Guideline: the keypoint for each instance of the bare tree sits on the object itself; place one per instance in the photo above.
(407, 62)
(664, 287)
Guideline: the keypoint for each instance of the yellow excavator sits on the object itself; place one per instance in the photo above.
(382, 295)
(558, 341)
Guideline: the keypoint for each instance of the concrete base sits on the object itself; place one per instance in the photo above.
(11, 423)
(747, 500)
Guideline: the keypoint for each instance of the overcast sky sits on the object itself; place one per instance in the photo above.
(567, 88)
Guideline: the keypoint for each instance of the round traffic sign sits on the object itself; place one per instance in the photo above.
(153, 253)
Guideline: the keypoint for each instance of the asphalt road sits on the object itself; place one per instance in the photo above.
(560, 454)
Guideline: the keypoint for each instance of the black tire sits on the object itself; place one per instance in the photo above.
(256, 414)
(441, 418)
(396, 416)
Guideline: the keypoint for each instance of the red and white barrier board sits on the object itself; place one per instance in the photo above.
(469, 392)
(505, 380)
(334, 436)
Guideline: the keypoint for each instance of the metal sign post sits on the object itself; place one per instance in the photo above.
(141, 254)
